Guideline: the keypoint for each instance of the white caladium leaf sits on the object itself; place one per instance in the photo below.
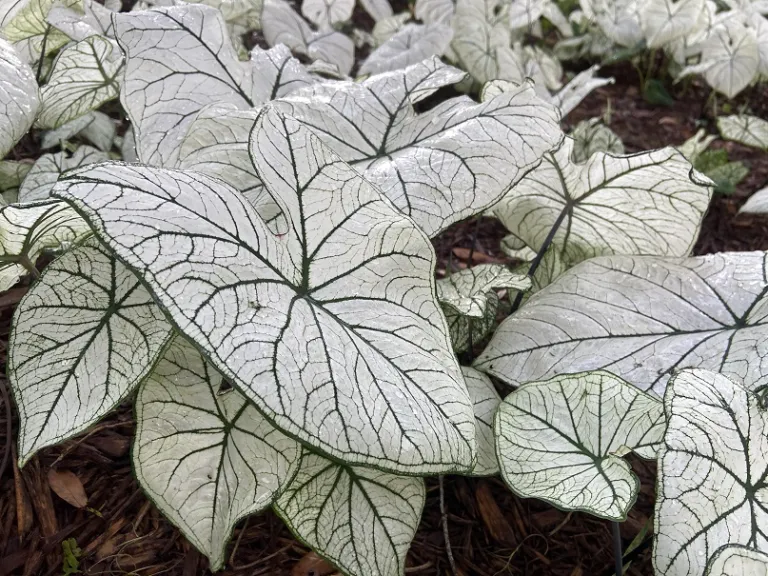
(19, 98)
(525, 13)
(481, 42)
(619, 20)
(466, 331)
(485, 401)
(217, 145)
(282, 25)
(562, 441)
(377, 9)
(128, 147)
(30, 32)
(326, 13)
(566, 99)
(737, 560)
(9, 9)
(590, 136)
(69, 130)
(101, 131)
(695, 145)
(48, 168)
(729, 58)
(647, 203)
(362, 520)
(84, 77)
(96, 20)
(25, 231)
(466, 291)
(744, 129)
(412, 44)
(84, 336)
(641, 318)
(388, 27)
(664, 21)
(206, 458)
(757, 203)
(438, 167)
(711, 488)
(12, 174)
(372, 336)
(434, 11)
(574, 92)
(167, 82)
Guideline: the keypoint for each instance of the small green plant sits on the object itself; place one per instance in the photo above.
(71, 553)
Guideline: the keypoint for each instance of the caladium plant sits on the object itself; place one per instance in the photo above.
(258, 277)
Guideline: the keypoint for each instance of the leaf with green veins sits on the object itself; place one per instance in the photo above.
(360, 519)
(485, 401)
(84, 76)
(641, 318)
(590, 136)
(411, 44)
(88, 330)
(438, 167)
(729, 58)
(344, 324)
(711, 489)
(19, 98)
(561, 441)
(744, 129)
(30, 32)
(206, 458)
(737, 560)
(48, 168)
(646, 203)
(194, 65)
(25, 231)
(466, 291)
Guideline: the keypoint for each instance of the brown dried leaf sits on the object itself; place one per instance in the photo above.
(313, 565)
(68, 487)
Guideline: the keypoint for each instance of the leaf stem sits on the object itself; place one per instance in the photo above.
(444, 522)
(29, 266)
(42, 55)
(617, 552)
(540, 254)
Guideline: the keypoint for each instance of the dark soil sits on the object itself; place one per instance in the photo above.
(491, 531)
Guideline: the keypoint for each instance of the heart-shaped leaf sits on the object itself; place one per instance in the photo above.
(438, 167)
(647, 203)
(410, 45)
(562, 441)
(206, 458)
(736, 560)
(711, 488)
(362, 520)
(84, 336)
(641, 318)
(84, 76)
(180, 59)
(19, 98)
(25, 231)
(745, 129)
(336, 335)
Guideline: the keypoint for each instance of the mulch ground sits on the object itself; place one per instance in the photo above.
(491, 531)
